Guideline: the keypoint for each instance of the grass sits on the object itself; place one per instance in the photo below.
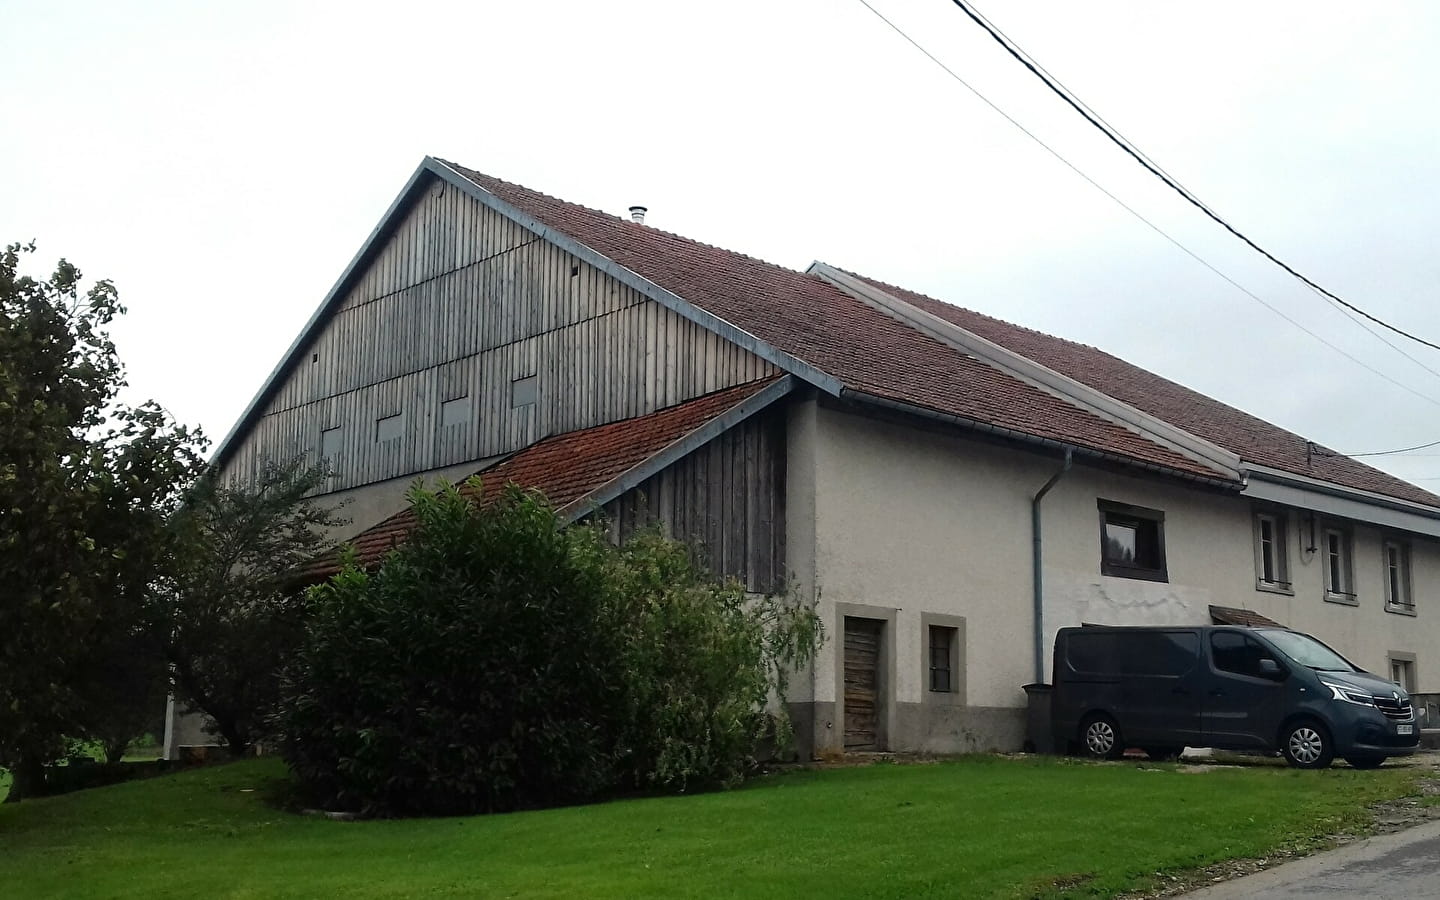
(979, 827)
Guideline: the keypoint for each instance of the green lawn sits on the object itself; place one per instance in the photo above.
(980, 827)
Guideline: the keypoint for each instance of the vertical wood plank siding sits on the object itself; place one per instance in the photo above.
(726, 499)
(459, 303)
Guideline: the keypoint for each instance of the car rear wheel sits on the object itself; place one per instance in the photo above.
(1365, 762)
(1100, 737)
(1306, 745)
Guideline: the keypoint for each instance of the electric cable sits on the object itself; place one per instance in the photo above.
(1160, 173)
(1156, 228)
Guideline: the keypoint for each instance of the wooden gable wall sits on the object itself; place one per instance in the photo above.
(726, 500)
(459, 303)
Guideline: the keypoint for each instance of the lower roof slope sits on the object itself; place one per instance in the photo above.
(1253, 440)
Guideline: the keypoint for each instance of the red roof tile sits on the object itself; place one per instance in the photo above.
(808, 318)
(566, 468)
(1249, 618)
(1253, 440)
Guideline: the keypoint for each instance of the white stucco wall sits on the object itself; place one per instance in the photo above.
(917, 522)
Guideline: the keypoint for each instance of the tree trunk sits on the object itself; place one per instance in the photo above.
(235, 739)
(27, 780)
(115, 752)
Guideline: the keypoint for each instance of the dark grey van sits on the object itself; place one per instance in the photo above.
(1166, 688)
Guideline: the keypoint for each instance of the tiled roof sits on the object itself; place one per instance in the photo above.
(872, 352)
(867, 350)
(1253, 440)
(1229, 615)
(566, 468)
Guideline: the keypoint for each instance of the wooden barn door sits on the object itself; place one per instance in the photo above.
(862, 683)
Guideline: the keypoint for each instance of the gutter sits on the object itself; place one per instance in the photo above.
(1036, 560)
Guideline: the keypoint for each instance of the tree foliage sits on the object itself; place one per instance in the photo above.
(225, 610)
(498, 660)
(86, 486)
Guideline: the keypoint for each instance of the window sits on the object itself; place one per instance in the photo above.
(1132, 542)
(1169, 653)
(455, 412)
(330, 443)
(389, 428)
(1338, 583)
(1092, 652)
(1238, 653)
(1272, 563)
(1402, 672)
(1397, 577)
(524, 391)
(942, 659)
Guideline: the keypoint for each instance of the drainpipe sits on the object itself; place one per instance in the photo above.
(1036, 559)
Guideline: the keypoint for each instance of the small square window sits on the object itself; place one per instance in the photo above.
(942, 656)
(1397, 576)
(524, 391)
(1272, 552)
(1338, 569)
(389, 428)
(455, 412)
(1132, 542)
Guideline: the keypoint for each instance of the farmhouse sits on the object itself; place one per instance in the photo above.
(950, 488)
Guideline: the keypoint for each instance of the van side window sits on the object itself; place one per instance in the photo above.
(1159, 652)
(1238, 653)
(1093, 653)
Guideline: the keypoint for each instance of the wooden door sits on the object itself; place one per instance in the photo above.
(862, 682)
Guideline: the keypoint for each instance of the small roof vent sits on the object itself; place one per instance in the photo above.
(637, 214)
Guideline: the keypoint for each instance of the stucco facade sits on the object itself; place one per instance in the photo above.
(915, 527)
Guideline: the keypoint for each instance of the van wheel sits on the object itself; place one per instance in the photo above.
(1365, 762)
(1164, 754)
(1306, 745)
(1100, 738)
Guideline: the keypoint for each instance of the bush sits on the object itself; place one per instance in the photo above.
(498, 660)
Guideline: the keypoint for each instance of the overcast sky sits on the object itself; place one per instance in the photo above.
(223, 162)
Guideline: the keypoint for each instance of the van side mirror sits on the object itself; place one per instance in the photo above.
(1269, 668)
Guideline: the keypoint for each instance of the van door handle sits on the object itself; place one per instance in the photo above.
(1217, 693)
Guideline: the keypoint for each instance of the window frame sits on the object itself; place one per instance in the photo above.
(949, 632)
(1333, 594)
(1278, 519)
(1406, 605)
(1124, 513)
(525, 391)
(957, 693)
(1406, 663)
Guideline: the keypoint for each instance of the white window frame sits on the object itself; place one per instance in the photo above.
(1279, 545)
(1403, 664)
(1343, 590)
(1395, 562)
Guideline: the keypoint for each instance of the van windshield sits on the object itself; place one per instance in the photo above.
(1305, 650)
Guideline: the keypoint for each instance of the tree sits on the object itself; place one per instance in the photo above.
(226, 612)
(499, 660)
(85, 488)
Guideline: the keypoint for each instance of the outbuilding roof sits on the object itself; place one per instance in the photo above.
(574, 469)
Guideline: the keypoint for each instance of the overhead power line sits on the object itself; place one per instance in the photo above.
(1119, 140)
(1132, 211)
(1393, 452)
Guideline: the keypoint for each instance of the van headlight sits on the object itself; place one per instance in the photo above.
(1349, 695)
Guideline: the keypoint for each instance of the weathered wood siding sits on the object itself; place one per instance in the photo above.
(726, 499)
(459, 303)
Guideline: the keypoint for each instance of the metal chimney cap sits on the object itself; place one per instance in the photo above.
(637, 214)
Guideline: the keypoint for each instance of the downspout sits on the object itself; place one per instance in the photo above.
(1036, 559)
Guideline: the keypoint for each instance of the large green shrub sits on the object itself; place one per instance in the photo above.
(498, 660)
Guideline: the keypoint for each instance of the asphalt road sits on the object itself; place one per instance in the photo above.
(1400, 866)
